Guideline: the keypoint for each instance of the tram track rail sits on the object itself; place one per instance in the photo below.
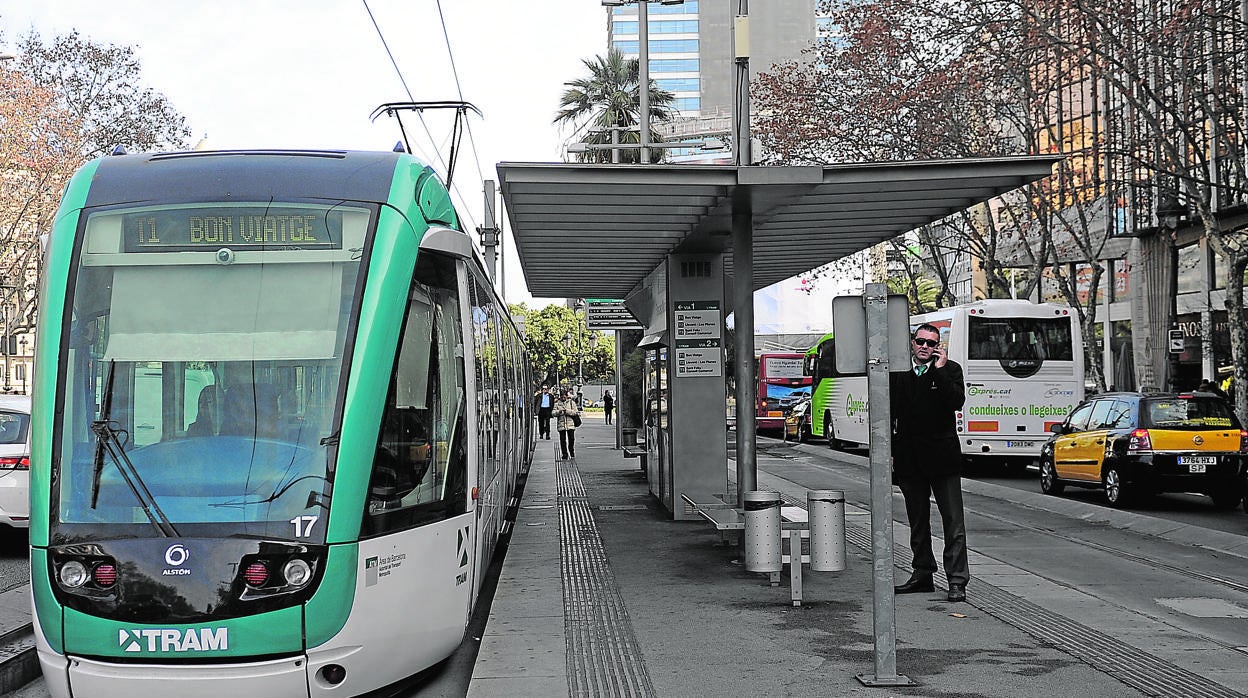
(1133, 666)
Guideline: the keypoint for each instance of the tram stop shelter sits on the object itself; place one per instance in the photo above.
(685, 245)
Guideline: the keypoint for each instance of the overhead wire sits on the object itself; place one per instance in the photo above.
(464, 208)
(472, 143)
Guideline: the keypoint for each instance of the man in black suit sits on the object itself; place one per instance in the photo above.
(544, 403)
(927, 459)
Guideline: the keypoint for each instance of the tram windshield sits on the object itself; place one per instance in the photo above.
(202, 370)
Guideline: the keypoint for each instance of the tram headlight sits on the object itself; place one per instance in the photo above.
(74, 574)
(297, 572)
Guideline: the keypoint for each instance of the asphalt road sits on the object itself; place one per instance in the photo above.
(1190, 509)
(14, 559)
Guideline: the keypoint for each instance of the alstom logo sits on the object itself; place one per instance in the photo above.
(174, 640)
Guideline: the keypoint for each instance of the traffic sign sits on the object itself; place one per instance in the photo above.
(1176, 341)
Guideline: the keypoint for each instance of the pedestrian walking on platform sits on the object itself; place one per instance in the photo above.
(608, 404)
(543, 404)
(927, 459)
(569, 416)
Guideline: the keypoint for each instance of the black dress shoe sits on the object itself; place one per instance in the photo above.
(918, 584)
(957, 592)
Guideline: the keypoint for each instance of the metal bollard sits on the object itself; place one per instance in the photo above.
(826, 513)
(762, 532)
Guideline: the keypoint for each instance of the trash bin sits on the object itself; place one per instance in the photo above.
(762, 532)
(826, 514)
(628, 436)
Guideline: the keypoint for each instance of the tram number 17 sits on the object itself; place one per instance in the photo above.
(303, 525)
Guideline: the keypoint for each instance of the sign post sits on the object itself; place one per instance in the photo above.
(873, 333)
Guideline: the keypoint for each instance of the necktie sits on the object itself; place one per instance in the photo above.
(920, 369)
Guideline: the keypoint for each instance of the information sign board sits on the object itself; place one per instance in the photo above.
(698, 358)
(697, 320)
(605, 314)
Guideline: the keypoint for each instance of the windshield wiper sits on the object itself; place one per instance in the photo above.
(106, 441)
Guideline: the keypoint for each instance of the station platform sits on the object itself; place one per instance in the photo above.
(602, 594)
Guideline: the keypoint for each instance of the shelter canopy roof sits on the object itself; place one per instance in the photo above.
(594, 230)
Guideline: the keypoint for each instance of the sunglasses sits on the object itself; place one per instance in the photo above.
(927, 342)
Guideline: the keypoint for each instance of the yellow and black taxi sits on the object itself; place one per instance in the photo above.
(1138, 444)
(797, 422)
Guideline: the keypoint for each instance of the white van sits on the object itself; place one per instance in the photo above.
(15, 461)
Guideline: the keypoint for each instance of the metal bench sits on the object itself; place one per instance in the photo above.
(728, 519)
(637, 452)
(715, 508)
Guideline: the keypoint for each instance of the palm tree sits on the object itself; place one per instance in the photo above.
(610, 97)
(922, 291)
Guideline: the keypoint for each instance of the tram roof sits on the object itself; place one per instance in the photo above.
(595, 230)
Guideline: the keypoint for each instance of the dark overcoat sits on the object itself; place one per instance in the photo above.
(925, 432)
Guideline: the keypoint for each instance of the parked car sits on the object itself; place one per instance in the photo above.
(1134, 444)
(15, 461)
(797, 421)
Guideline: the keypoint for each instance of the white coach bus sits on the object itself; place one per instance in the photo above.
(1023, 368)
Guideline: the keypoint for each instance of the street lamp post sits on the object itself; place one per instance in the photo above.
(567, 341)
(1169, 211)
(5, 339)
(25, 363)
(643, 65)
(1175, 331)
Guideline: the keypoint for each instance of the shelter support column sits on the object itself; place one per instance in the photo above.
(743, 314)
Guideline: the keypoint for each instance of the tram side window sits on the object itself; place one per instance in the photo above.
(420, 467)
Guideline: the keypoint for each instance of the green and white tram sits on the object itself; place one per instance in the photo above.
(279, 416)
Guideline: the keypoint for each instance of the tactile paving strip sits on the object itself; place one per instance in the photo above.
(604, 657)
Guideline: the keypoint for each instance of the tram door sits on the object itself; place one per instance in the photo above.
(658, 431)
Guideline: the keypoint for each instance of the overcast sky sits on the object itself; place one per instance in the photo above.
(307, 73)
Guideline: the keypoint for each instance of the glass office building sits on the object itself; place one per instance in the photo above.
(675, 63)
(691, 52)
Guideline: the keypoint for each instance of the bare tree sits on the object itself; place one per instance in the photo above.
(38, 146)
(963, 78)
(64, 103)
(1175, 74)
(101, 85)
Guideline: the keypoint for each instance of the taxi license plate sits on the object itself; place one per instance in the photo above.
(1019, 444)
(1197, 464)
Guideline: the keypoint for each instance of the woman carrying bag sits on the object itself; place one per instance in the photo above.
(569, 415)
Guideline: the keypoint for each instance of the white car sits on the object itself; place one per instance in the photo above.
(15, 461)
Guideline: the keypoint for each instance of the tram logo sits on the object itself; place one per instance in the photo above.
(462, 545)
(175, 556)
(174, 640)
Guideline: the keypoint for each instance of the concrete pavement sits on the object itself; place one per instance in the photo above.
(603, 595)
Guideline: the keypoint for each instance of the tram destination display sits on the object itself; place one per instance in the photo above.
(239, 228)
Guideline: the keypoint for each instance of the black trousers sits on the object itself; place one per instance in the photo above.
(543, 424)
(607, 411)
(947, 490)
(567, 442)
